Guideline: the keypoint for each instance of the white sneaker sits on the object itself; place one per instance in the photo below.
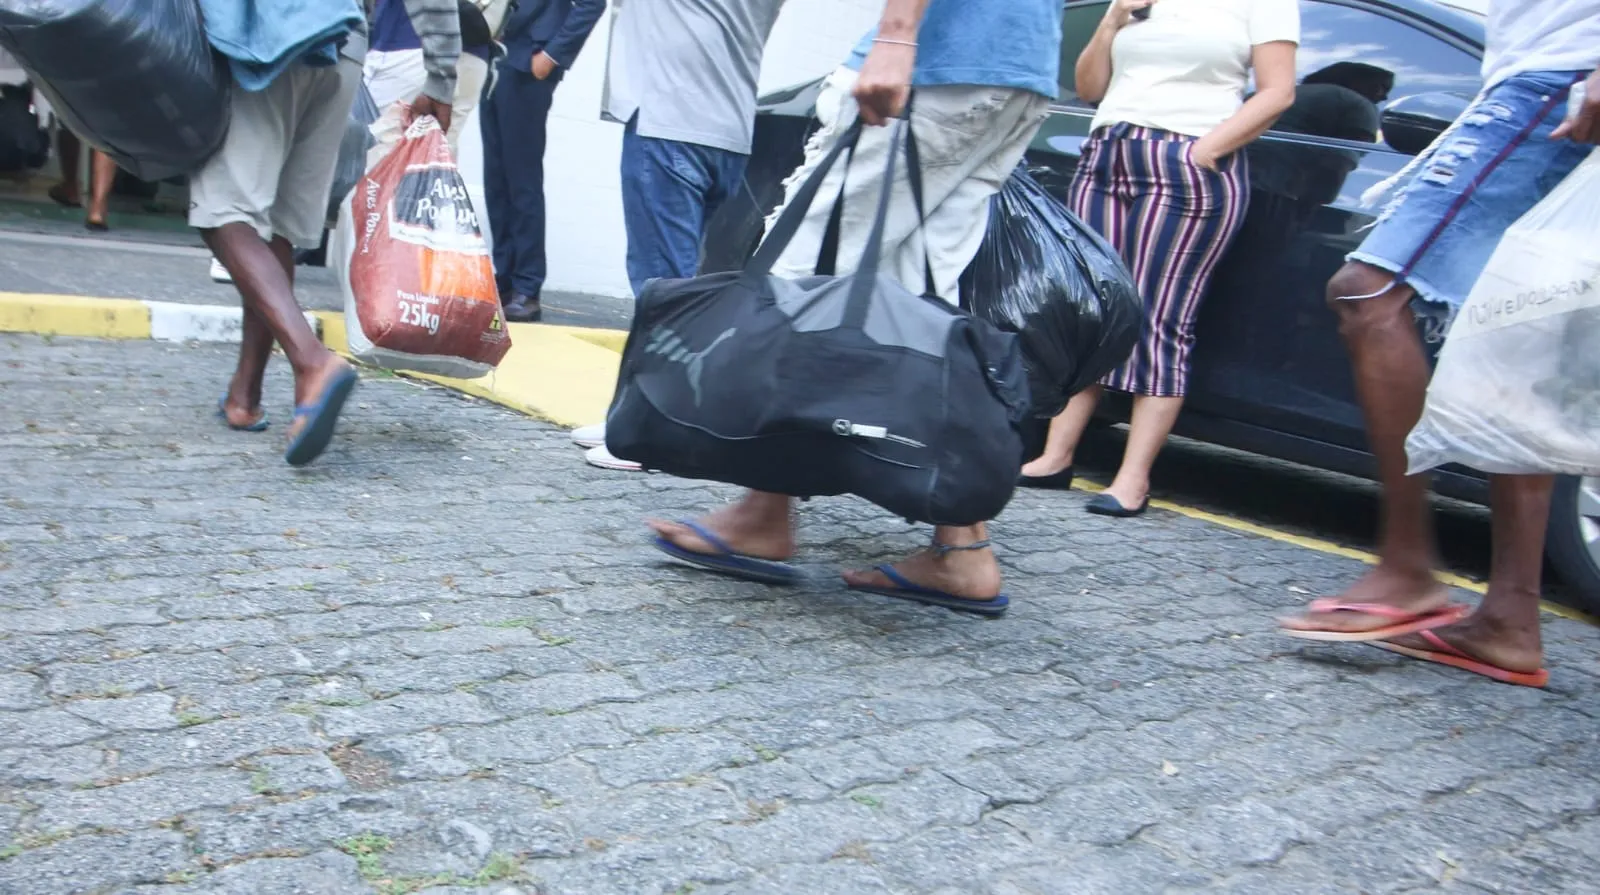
(589, 436)
(599, 456)
(219, 274)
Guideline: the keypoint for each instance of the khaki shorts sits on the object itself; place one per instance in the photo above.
(969, 140)
(275, 170)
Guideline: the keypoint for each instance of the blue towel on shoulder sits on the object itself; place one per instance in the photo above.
(262, 38)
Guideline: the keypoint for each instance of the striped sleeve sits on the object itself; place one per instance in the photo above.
(438, 24)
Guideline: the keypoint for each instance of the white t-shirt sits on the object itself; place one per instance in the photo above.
(1185, 68)
(1541, 35)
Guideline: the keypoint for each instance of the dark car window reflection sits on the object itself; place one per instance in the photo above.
(1340, 102)
(1418, 61)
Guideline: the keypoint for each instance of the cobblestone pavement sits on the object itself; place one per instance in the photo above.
(445, 657)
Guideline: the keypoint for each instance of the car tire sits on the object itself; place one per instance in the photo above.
(1573, 540)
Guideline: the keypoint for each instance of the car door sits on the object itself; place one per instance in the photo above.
(1268, 361)
(1268, 353)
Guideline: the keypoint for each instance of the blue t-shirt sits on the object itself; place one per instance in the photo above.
(392, 30)
(986, 43)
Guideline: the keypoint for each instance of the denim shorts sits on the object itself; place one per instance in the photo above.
(1496, 162)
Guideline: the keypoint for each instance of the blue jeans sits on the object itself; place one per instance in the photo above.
(670, 189)
(1439, 230)
(512, 121)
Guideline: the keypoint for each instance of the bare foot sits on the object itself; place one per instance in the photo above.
(240, 415)
(66, 194)
(754, 531)
(308, 388)
(968, 574)
(1416, 594)
(1044, 467)
(1512, 647)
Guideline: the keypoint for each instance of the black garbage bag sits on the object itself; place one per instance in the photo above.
(134, 78)
(1043, 274)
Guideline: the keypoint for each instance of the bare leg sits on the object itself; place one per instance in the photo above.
(1391, 374)
(267, 291)
(243, 404)
(1153, 419)
(69, 153)
(759, 525)
(1066, 430)
(102, 175)
(973, 574)
(1504, 631)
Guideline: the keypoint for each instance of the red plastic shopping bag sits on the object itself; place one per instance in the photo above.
(415, 269)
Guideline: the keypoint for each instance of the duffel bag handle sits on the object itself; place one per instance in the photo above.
(788, 223)
(828, 254)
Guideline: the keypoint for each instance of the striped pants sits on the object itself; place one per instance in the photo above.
(1172, 220)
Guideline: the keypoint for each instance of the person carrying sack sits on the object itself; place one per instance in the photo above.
(985, 72)
(266, 191)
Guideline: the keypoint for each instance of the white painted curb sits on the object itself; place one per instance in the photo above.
(174, 322)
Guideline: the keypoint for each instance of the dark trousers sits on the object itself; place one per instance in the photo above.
(669, 191)
(513, 123)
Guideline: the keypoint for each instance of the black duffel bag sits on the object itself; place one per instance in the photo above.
(824, 385)
(134, 78)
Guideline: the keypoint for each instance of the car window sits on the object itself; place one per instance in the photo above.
(1419, 62)
(1077, 27)
(1331, 33)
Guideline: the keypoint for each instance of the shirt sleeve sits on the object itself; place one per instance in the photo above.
(1274, 20)
(438, 26)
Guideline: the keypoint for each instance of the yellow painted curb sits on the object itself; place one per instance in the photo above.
(551, 372)
(71, 315)
(1328, 547)
(609, 339)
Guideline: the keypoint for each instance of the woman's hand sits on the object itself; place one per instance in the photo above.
(1201, 153)
(1120, 12)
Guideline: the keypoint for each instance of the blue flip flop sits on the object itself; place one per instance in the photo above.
(321, 418)
(905, 589)
(260, 425)
(727, 561)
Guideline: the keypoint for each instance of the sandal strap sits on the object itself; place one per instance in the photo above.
(1333, 604)
(946, 549)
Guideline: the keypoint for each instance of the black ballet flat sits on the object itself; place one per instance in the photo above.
(1056, 481)
(1104, 504)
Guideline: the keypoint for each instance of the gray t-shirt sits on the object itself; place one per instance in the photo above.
(688, 68)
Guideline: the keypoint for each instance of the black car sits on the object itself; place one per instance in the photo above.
(1270, 374)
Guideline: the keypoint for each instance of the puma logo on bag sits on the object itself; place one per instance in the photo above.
(670, 345)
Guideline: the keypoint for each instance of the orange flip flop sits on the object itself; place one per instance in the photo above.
(1445, 654)
(1404, 621)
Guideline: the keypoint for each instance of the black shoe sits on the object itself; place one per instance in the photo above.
(1056, 481)
(1104, 504)
(523, 309)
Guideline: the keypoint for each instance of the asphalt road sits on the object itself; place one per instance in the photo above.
(48, 257)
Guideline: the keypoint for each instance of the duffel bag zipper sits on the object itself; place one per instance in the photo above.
(877, 433)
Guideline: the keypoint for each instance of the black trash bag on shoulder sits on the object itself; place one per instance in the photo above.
(136, 79)
(1043, 274)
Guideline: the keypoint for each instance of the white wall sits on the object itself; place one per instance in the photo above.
(584, 236)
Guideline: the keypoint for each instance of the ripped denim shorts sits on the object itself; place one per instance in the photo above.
(1441, 225)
